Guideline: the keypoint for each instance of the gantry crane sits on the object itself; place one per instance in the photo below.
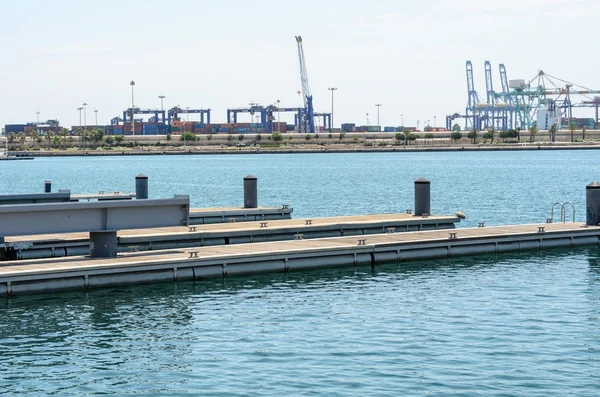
(174, 112)
(309, 125)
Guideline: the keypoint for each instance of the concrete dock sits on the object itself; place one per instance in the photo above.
(40, 275)
(71, 244)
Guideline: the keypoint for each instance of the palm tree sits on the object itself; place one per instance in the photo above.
(97, 136)
(80, 133)
(35, 135)
(56, 140)
(22, 138)
(12, 137)
(572, 129)
(532, 131)
(64, 133)
(49, 136)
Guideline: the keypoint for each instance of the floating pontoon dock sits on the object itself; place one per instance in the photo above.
(57, 245)
(32, 276)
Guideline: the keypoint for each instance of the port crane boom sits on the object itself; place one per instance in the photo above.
(306, 95)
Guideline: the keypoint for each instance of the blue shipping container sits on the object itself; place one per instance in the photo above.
(389, 129)
(150, 129)
(224, 129)
(14, 128)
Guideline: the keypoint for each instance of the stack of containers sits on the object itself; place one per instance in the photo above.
(389, 129)
(14, 128)
(280, 126)
(118, 129)
(136, 129)
(150, 129)
(225, 128)
(188, 126)
(348, 127)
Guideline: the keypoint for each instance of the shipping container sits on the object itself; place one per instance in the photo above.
(389, 129)
(16, 128)
(150, 129)
(224, 130)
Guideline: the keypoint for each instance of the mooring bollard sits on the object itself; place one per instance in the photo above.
(141, 186)
(47, 186)
(250, 192)
(422, 196)
(592, 204)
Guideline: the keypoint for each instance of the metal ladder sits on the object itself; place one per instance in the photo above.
(563, 212)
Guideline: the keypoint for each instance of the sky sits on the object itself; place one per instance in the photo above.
(408, 56)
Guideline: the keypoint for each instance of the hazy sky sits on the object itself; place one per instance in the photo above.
(408, 56)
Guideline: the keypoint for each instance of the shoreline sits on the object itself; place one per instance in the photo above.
(208, 150)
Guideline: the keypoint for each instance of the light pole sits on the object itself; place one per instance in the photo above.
(378, 125)
(434, 121)
(79, 110)
(162, 97)
(132, 83)
(402, 119)
(96, 114)
(368, 125)
(187, 115)
(332, 89)
(84, 123)
(38, 116)
(278, 122)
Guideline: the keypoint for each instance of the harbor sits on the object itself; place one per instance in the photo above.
(203, 310)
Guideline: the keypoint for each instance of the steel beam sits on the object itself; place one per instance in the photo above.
(32, 198)
(31, 219)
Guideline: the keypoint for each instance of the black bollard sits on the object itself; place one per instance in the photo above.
(141, 187)
(592, 204)
(250, 192)
(422, 197)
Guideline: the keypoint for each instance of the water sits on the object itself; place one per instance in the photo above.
(514, 325)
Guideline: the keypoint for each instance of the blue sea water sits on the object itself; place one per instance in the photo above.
(508, 325)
